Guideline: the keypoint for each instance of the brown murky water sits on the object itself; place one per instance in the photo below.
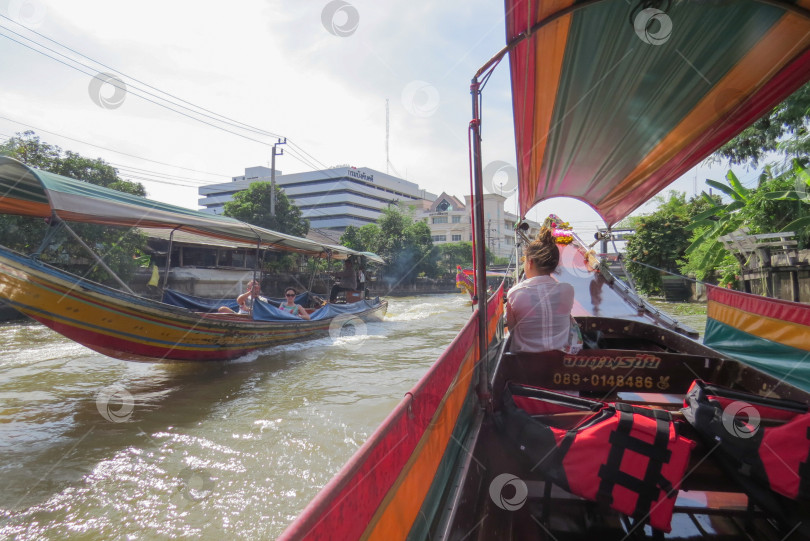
(94, 448)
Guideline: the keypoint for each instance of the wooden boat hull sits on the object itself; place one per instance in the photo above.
(135, 328)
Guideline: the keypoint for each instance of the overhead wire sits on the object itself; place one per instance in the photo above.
(295, 151)
(309, 160)
(298, 154)
(227, 119)
(130, 89)
(139, 170)
(110, 149)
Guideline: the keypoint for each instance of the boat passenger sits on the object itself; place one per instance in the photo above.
(245, 300)
(538, 309)
(361, 280)
(290, 307)
(348, 280)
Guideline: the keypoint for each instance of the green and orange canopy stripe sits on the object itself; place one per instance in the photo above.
(605, 115)
(28, 191)
(770, 334)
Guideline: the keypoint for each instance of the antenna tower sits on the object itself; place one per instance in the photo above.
(387, 158)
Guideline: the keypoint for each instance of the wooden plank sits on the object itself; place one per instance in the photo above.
(699, 500)
(785, 235)
(691, 500)
(783, 244)
(651, 399)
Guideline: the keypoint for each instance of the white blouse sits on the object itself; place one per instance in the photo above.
(538, 312)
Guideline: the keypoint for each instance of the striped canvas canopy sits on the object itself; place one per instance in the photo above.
(614, 99)
(770, 334)
(28, 191)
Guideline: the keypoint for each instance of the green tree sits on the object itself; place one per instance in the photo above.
(351, 238)
(253, 206)
(661, 240)
(98, 172)
(778, 203)
(28, 148)
(24, 234)
(452, 254)
(783, 130)
(405, 245)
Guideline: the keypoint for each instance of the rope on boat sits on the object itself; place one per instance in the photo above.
(695, 280)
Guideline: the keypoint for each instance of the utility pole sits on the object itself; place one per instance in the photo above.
(273, 175)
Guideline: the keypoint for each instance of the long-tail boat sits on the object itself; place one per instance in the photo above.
(121, 324)
(644, 433)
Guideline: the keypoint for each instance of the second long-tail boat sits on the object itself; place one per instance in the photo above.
(119, 323)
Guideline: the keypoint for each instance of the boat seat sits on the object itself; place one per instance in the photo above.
(354, 296)
(607, 373)
(651, 399)
(688, 500)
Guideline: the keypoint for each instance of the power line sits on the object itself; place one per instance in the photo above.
(129, 90)
(309, 160)
(298, 153)
(138, 170)
(112, 150)
(173, 106)
(227, 120)
(163, 178)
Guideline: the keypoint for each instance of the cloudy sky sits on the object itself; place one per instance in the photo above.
(209, 88)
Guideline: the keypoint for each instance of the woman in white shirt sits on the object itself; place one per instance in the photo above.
(538, 309)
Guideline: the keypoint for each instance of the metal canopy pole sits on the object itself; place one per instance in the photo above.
(168, 260)
(97, 258)
(54, 225)
(256, 264)
(480, 246)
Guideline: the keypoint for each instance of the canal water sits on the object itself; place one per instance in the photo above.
(94, 448)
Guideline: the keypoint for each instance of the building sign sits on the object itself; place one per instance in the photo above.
(361, 175)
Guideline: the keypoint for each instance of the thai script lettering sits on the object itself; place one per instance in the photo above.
(643, 361)
(362, 175)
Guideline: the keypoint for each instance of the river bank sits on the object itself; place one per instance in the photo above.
(691, 313)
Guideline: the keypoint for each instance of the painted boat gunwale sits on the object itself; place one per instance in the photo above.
(211, 339)
(322, 505)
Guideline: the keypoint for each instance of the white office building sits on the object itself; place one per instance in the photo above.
(331, 198)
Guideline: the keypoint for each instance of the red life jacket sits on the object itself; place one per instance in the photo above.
(777, 457)
(631, 458)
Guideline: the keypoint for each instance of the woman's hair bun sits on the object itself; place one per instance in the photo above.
(545, 235)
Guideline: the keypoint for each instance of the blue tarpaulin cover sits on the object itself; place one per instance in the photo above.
(263, 311)
(201, 304)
